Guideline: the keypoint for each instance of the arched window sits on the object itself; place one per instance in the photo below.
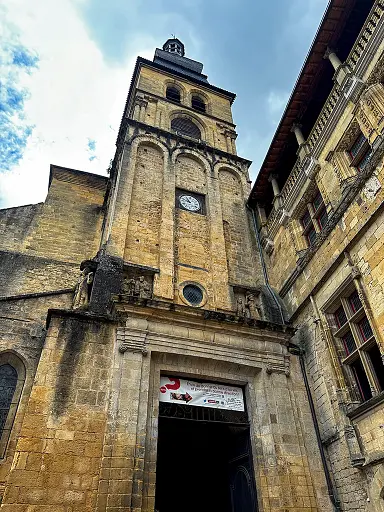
(12, 376)
(184, 126)
(198, 103)
(173, 94)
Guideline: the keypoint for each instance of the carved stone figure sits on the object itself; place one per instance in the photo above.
(240, 307)
(142, 288)
(251, 306)
(129, 287)
(83, 288)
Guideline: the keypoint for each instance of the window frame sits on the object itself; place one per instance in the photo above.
(314, 214)
(351, 327)
(16, 362)
(363, 152)
(201, 100)
(174, 87)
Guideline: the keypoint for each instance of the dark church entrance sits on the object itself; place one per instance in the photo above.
(203, 461)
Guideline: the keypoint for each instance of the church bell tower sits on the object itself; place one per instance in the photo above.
(176, 209)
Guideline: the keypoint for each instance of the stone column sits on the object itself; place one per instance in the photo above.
(217, 245)
(341, 69)
(296, 129)
(330, 54)
(122, 465)
(136, 114)
(312, 214)
(163, 284)
(143, 110)
(261, 213)
(276, 191)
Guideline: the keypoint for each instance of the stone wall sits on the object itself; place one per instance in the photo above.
(60, 443)
(142, 242)
(159, 112)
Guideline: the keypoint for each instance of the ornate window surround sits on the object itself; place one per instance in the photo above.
(356, 347)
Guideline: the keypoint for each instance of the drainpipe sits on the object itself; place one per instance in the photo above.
(297, 351)
(263, 266)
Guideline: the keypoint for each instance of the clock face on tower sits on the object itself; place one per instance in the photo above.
(190, 203)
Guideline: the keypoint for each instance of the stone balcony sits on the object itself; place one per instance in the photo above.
(347, 87)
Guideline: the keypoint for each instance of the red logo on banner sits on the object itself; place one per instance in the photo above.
(174, 386)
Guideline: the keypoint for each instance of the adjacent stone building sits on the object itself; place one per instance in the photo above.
(167, 339)
(319, 201)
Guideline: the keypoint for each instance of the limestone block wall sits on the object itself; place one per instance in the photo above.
(60, 445)
(43, 245)
(142, 241)
(286, 459)
(15, 225)
(69, 224)
(240, 251)
(22, 333)
(157, 111)
(146, 227)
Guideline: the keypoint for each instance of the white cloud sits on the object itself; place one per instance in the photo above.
(75, 96)
(276, 102)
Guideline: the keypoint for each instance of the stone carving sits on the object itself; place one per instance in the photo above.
(139, 287)
(240, 307)
(143, 288)
(247, 304)
(251, 311)
(84, 285)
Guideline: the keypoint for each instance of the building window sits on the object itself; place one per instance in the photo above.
(314, 219)
(360, 152)
(184, 126)
(173, 94)
(198, 103)
(12, 376)
(357, 346)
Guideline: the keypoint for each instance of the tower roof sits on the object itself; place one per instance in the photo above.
(172, 57)
(174, 45)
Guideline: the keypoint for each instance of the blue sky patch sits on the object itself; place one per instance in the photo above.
(14, 130)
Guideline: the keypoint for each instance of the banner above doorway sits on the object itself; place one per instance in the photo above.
(203, 394)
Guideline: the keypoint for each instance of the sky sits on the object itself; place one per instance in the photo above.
(66, 65)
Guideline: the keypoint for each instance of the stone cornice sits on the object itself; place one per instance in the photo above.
(228, 323)
(199, 145)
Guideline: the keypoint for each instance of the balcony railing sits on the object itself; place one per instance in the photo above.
(357, 62)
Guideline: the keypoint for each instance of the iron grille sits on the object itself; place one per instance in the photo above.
(341, 317)
(355, 302)
(8, 381)
(185, 126)
(365, 329)
(349, 343)
(196, 413)
(193, 294)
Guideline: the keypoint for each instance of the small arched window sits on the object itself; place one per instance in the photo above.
(184, 126)
(12, 376)
(198, 103)
(173, 94)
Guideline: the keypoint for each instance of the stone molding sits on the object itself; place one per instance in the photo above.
(150, 339)
(131, 340)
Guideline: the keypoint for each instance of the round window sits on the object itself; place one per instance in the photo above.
(193, 294)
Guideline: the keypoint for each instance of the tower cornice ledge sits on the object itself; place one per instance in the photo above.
(196, 144)
(124, 306)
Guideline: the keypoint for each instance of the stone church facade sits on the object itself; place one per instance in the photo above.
(172, 270)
